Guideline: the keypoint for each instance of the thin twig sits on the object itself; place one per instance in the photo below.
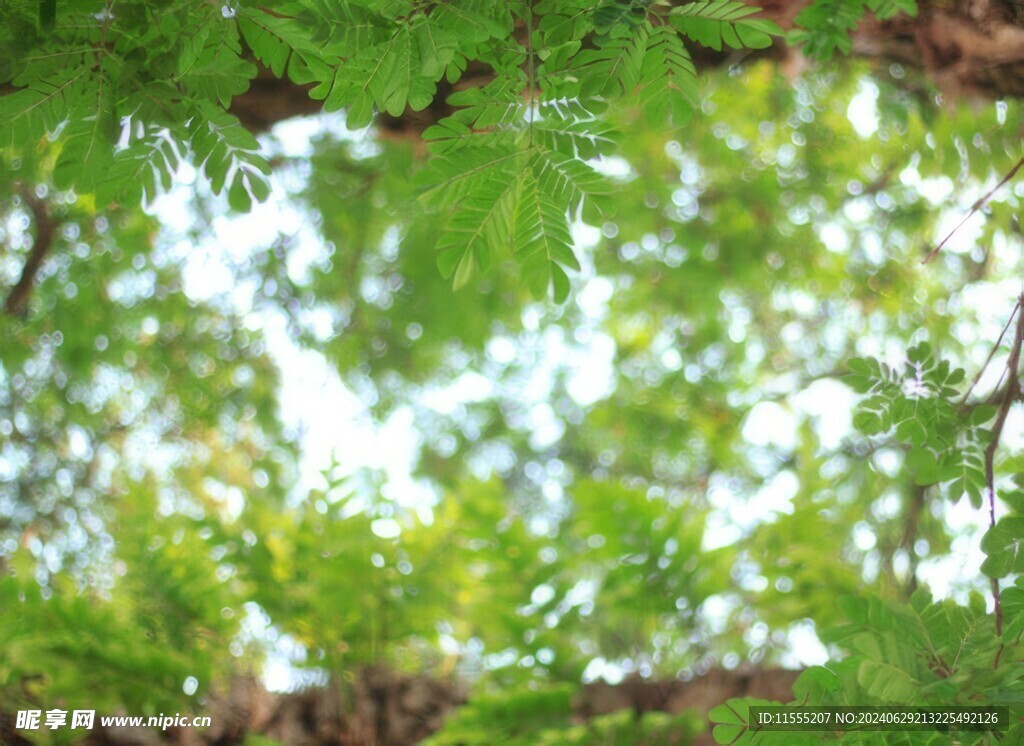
(46, 227)
(974, 208)
(991, 354)
(1010, 394)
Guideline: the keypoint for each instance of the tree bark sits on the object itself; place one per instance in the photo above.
(383, 707)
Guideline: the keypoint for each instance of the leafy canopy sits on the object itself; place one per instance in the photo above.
(566, 527)
(131, 89)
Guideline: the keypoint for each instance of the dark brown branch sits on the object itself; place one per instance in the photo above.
(912, 523)
(45, 229)
(1010, 394)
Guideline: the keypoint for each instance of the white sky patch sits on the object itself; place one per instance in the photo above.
(594, 296)
(959, 571)
(545, 428)
(173, 208)
(775, 497)
(805, 649)
(335, 425)
(599, 668)
(206, 274)
(613, 167)
(732, 516)
(720, 531)
(834, 238)
(936, 189)
(863, 109)
(831, 403)
(584, 235)
(966, 236)
(593, 370)
(770, 424)
(386, 528)
(501, 350)
(294, 137)
(468, 387)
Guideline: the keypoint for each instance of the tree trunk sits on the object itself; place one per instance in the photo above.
(386, 708)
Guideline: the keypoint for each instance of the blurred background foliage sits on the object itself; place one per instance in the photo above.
(656, 478)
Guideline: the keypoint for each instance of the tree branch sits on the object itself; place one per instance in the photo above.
(949, 44)
(46, 228)
(1010, 394)
(974, 208)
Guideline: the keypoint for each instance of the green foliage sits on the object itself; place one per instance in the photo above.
(516, 182)
(714, 22)
(668, 78)
(528, 167)
(182, 65)
(731, 720)
(166, 620)
(946, 440)
(105, 79)
(825, 26)
(528, 717)
(597, 491)
(922, 653)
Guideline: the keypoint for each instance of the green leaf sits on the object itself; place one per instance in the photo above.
(868, 422)
(140, 170)
(28, 114)
(449, 178)
(924, 465)
(481, 225)
(87, 151)
(436, 46)
(886, 9)
(1003, 543)
(498, 104)
(825, 26)
(1012, 601)
(614, 68)
(388, 75)
(717, 22)
(982, 414)
(223, 147)
(569, 128)
(619, 17)
(668, 86)
(731, 721)
(920, 354)
(475, 21)
(815, 684)
(887, 683)
(282, 44)
(219, 74)
(405, 82)
(570, 181)
(543, 243)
